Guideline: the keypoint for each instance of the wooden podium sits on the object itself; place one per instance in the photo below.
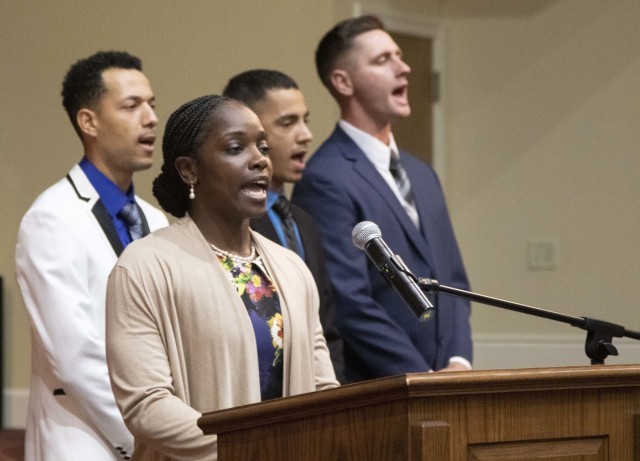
(568, 414)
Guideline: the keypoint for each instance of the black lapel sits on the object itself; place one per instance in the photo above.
(75, 189)
(106, 223)
(264, 226)
(143, 218)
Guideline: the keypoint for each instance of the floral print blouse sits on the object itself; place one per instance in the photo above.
(263, 306)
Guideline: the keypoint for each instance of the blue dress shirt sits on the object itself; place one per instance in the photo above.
(111, 196)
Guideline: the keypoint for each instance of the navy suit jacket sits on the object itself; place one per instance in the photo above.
(382, 337)
(315, 260)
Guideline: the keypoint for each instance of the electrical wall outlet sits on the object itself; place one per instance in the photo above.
(543, 254)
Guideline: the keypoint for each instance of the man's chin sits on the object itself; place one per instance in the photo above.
(143, 165)
(403, 112)
(398, 116)
(295, 177)
(289, 178)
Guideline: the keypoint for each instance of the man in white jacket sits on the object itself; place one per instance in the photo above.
(68, 242)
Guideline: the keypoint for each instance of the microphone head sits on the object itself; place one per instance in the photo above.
(363, 232)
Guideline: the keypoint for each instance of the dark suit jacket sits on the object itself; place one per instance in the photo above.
(315, 259)
(382, 337)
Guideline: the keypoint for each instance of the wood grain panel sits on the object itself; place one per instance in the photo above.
(561, 414)
(374, 433)
(588, 449)
(429, 440)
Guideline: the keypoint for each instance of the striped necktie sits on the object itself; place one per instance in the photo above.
(283, 208)
(131, 216)
(401, 178)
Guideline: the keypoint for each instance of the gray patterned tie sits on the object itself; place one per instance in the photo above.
(402, 180)
(130, 215)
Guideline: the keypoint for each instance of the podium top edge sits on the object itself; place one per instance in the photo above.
(418, 385)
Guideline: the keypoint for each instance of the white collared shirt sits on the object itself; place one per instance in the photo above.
(379, 154)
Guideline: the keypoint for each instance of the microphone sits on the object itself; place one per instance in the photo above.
(367, 236)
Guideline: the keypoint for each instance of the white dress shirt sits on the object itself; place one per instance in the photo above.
(379, 154)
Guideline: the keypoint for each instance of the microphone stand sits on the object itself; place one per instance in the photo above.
(600, 334)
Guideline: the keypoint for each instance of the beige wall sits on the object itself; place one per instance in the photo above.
(541, 106)
(542, 140)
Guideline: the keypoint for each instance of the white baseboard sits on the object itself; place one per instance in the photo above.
(533, 351)
(14, 414)
(490, 352)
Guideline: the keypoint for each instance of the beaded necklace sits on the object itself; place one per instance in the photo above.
(234, 256)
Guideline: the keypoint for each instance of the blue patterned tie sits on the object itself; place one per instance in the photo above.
(402, 180)
(131, 216)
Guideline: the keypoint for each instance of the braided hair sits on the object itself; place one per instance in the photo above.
(186, 130)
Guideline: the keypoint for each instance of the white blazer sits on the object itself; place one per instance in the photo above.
(67, 246)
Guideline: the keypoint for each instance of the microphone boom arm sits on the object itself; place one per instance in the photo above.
(600, 334)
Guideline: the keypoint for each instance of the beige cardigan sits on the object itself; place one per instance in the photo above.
(180, 342)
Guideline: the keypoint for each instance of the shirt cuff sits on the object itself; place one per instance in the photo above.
(462, 361)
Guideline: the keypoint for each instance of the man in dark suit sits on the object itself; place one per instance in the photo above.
(358, 174)
(279, 103)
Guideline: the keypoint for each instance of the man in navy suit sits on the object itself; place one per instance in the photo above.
(277, 100)
(358, 174)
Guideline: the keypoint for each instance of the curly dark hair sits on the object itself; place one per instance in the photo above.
(186, 130)
(83, 85)
(251, 86)
(338, 41)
